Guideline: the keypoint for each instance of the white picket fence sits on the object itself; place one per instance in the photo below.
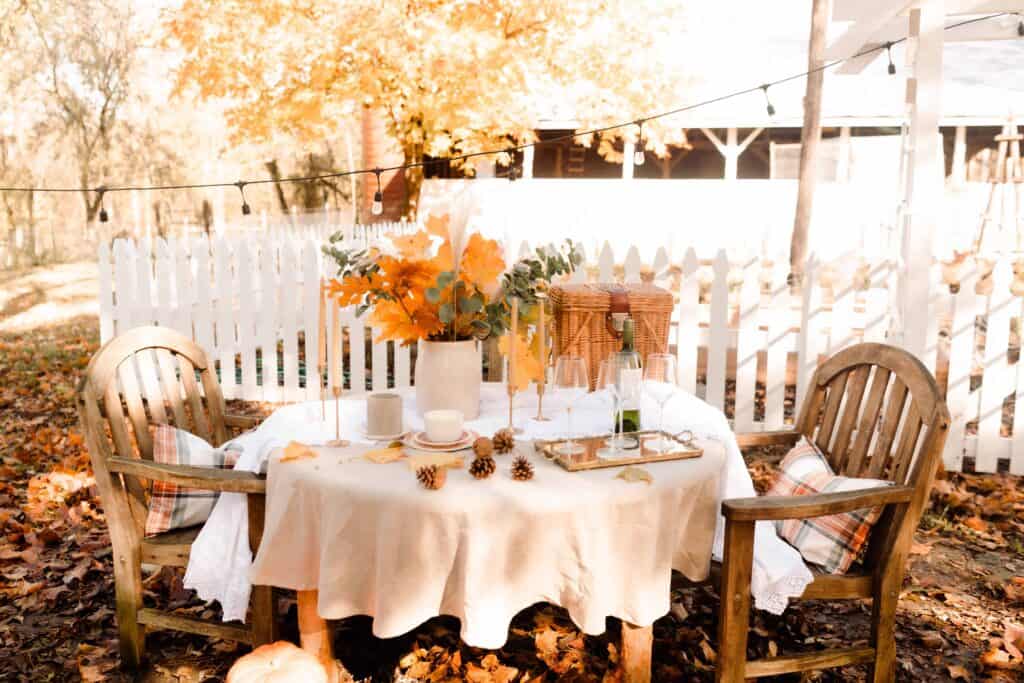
(736, 327)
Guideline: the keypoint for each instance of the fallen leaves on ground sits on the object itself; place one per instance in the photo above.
(959, 614)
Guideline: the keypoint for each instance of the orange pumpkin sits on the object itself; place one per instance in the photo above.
(279, 662)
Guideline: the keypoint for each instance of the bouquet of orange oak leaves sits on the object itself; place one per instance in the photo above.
(426, 287)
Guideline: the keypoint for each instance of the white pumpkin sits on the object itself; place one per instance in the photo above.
(279, 662)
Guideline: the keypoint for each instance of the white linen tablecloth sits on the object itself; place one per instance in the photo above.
(373, 541)
(220, 560)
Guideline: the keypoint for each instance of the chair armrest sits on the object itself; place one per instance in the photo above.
(814, 505)
(242, 421)
(205, 478)
(782, 437)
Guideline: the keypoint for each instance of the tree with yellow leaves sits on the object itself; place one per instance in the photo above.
(452, 76)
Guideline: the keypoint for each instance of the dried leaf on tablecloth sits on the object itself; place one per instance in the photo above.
(297, 451)
(635, 474)
(450, 460)
(382, 456)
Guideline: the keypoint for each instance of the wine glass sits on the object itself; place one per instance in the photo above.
(660, 385)
(607, 381)
(572, 382)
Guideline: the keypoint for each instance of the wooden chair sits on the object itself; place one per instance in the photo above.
(875, 411)
(149, 376)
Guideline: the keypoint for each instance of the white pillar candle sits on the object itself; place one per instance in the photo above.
(443, 426)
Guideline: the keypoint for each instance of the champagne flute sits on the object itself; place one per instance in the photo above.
(660, 385)
(572, 382)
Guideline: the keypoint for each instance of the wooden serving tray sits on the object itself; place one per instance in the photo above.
(590, 460)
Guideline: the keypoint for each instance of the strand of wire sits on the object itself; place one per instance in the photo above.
(887, 46)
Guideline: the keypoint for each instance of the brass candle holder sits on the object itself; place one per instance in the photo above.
(337, 441)
(513, 337)
(542, 330)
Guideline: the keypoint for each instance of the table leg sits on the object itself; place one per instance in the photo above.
(314, 634)
(635, 653)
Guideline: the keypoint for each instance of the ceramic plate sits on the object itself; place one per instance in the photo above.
(418, 440)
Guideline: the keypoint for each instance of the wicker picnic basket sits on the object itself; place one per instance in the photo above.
(588, 320)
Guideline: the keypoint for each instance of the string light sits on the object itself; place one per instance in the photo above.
(892, 67)
(485, 153)
(638, 155)
(512, 171)
(100, 191)
(768, 102)
(246, 210)
(377, 208)
(1020, 27)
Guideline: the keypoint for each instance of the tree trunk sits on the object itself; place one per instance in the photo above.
(413, 182)
(275, 173)
(809, 139)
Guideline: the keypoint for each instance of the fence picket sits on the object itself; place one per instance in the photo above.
(124, 278)
(311, 274)
(747, 346)
(718, 333)
(267, 324)
(778, 342)
(631, 266)
(688, 326)
(247, 317)
(962, 402)
(356, 351)
(204, 296)
(290, 293)
(106, 293)
(224, 318)
(811, 324)
(164, 312)
(606, 264)
(996, 382)
(143, 301)
(183, 279)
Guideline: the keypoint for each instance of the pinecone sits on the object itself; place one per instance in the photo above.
(504, 440)
(481, 468)
(483, 447)
(522, 470)
(432, 476)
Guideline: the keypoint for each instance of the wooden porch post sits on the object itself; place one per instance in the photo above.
(925, 171)
(809, 139)
(528, 162)
(959, 170)
(627, 159)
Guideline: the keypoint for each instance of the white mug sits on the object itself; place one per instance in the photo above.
(443, 426)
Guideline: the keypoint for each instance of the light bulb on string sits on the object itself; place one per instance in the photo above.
(892, 67)
(1020, 27)
(377, 208)
(768, 102)
(512, 172)
(104, 217)
(638, 154)
(246, 209)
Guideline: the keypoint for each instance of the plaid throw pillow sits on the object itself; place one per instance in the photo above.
(834, 541)
(175, 507)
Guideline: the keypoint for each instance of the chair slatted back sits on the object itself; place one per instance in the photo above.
(874, 410)
(146, 376)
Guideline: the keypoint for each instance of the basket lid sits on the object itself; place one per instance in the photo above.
(597, 296)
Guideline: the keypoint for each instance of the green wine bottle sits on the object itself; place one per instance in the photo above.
(629, 377)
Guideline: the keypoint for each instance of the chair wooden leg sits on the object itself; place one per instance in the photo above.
(262, 605)
(635, 654)
(128, 597)
(734, 610)
(262, 601)
(315, 634)
(883, 625)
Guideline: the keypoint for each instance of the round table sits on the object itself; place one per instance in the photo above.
(365, 538)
